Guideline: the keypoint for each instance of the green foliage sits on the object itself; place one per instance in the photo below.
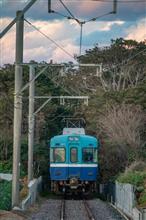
(135, 178)
(48, 123)
(41, 159)
(5, 195)
(142, 199)
(5, 166)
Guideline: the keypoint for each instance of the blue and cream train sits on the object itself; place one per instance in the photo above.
(73, 161)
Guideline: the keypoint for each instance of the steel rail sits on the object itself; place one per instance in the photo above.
(62, 211)
(88, 210)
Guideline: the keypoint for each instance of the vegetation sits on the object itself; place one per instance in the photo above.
(135, 178)
(116, 111)
(135, 174)
(5, 195)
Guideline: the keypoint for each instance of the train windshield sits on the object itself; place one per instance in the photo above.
(58, 155)
(89, 155)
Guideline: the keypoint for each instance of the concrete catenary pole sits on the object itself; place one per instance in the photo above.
(31, 122)
(17, 110)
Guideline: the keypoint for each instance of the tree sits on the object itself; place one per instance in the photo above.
(123, 125)
(123, 65)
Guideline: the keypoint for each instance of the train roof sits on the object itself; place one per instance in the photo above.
(73, 131)
(64, 138)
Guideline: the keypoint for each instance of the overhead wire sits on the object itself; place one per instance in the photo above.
(130, 58)
(68, 10)
(125, 1)
(81, 23)
(124, 62)
(120, 1)
(65, 16)
(100, 16)
(49, 38)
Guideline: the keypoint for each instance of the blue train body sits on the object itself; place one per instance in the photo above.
(73, 161)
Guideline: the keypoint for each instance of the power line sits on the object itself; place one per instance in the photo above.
(65, 16)
(119, 1)
(81, 23)
(125, 1)
(69, 12)
(100, 16)
(125, 62)
(54, 42)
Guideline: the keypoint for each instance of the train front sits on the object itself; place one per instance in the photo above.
(73, 162)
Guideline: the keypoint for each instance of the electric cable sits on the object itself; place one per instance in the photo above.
(125, 62)
(54, 42)
(100, 16)
(81, 23)
(120, 1)
(65, 16)
(69, 12)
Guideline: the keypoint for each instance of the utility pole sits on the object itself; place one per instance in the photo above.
(17, 109)
(31, 119)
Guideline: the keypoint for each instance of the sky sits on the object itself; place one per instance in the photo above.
(129, 22)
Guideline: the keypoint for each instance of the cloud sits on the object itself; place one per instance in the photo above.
(7, 44)
(67, 34)
(36, 46)
(82, 9)
(138, 31)
(101, 26)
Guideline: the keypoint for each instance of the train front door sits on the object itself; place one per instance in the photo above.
(74, 165)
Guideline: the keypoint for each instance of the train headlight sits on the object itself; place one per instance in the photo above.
(71, 138)
(73, 182)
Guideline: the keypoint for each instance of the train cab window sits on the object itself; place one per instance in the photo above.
(73, 155)
(95, 155)
(89, 155)
(59, 155)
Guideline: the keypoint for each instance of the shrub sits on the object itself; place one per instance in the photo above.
(5, 167)
(135, 178)
(5, 194)
(142, 199)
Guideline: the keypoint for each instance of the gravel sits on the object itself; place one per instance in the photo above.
(103, 211)
(74, 210)
(49, 210)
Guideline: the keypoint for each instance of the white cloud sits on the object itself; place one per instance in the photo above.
(138, 31)
(7, 44)
(37, 47)
(101, 26)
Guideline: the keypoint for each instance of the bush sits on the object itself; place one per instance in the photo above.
(142, 199)
(136, 166)
(5, 167)
(5, 195)
(136, 178)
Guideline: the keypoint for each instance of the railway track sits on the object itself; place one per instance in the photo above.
(88, 213)
(75, 209)
(62, 210)
(88, 210)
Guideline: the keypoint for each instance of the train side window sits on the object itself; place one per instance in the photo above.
(51, 155)
(87, 155)
(59, 155)
(73, 155)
